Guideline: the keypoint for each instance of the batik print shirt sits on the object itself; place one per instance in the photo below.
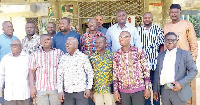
(30, 46)
(103, 71)
(88, 42)
(130, 71)
(75, 73)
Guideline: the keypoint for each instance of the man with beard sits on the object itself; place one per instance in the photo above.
(51, 29)
(114, 31)
(88, 40)
(184, 29)
(152, 39)
(31, 42)
(99, 19)
(60, 38)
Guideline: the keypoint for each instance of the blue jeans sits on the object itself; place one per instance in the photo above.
(148, 101)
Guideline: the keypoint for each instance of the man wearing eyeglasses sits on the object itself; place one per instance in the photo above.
(175, 70)
(131, 74)
(17, 90)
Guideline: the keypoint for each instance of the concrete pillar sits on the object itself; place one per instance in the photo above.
(166, 4)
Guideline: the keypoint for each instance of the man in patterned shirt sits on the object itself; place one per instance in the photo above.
(131, 75)
(43, 69)
(152, 38)
(31, 42)
(75, 75)
(102, 65)
(88, 40)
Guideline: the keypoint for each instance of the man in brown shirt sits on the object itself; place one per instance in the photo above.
(184, 29)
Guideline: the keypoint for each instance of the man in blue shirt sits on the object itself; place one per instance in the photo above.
(6, 38)
(60, 38)
(99, 19)
(114, 31)
(5, 41)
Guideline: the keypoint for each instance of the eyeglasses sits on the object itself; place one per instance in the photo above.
(170, 40)
(123, 37)
(15, 45)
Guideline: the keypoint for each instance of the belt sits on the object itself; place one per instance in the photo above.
(168, 86)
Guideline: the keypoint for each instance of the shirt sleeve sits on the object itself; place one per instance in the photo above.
(108, 39)
(2, 73)
(161, 38)
(192, 40)
(60, 75)
(89, 72)
(145, 68)
(32, 62)
(115, 72)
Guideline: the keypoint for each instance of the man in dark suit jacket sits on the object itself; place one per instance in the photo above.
(175, 70)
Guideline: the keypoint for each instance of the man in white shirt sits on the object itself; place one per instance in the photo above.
(112, 35)
(174, 72)
(75, 75)
(14, 72)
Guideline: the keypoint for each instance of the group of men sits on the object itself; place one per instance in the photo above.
(104, 66)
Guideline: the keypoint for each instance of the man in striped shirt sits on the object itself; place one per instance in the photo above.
(43, 69)
(152, 39)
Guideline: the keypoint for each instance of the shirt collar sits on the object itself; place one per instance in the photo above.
(172, 51)
(7, 36)
(132, 48)
(126, 25)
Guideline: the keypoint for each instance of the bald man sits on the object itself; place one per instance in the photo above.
(6, 38)
(88, 39)
(76, 74)
(14, 72)
(100, 21)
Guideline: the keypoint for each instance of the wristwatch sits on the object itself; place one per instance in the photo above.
(148, 87)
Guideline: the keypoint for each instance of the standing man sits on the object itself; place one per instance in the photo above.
(60, 38)
(43, 73)
(51, 29)
(131, 75)
(75, 75)
(88, 39)
(152, 38)
(183, 29)
(14, 72)
(100, 28)
(175, 70)
(31, 42)
(114, 31)
(6, 38)
(102, 61)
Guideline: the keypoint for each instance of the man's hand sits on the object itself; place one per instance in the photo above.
(147, 93)
(177, 86)
(155, 96)
(87, 93)
(33, 92)
(61, 96)
(117, 96)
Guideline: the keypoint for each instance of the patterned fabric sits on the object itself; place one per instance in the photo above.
(151, 40)
(103, 70)
(130, 71)
(75, 73)
(30, 46)
(45, 64)
(88, 42)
